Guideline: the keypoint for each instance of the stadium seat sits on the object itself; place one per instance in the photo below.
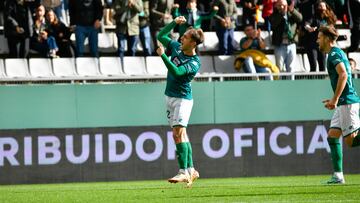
(210, 42)
(155, 65)
(267, 38)
(224, 64)
(4, 49)
(356, 57)
(134, 65)
(343, 44)
(40, 67)
(106, 42)
(207, 65)
(299, 64)
(87, 66)
(110, 66)
(271, 57)
(238, 35)
(16, 67)
(64, 67)
(2, 70)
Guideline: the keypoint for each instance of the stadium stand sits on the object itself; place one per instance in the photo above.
(210, 42)
(107, 43)
(224, 64)
(4, 49)
(87, 66)
(155, 66)
(2, 71)
(64, 67)
(40, 67)
(207, 65)
(110, 66)
(16, 68)
(134, 65)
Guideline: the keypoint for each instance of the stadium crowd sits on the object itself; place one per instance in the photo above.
(45, 26)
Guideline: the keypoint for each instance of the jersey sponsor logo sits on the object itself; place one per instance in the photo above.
(176, 61)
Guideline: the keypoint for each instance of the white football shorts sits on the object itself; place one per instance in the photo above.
(346, 118)
(178, 111)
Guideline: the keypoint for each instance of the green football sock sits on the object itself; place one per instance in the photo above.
(190, 163)
(182, 154)
(356, 141)
(336, 153)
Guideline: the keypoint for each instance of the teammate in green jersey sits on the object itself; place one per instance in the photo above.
(345, 121)
(182, 68)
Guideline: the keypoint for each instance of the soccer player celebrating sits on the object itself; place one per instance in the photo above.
(182, 68)
(345, 101)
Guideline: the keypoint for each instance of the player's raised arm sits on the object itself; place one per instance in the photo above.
(176, 71)
(163, 35)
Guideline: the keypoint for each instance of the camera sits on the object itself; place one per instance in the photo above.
(342, 38)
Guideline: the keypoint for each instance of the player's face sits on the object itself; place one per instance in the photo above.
(321, 40)
(186, 41)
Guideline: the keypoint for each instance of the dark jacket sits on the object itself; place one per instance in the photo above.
(85, 12)
(278, 21)
(17, 15)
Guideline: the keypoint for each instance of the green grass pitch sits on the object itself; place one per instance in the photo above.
(260, 189)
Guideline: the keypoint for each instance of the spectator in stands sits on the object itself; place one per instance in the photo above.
(249, 10)
(86, 15)
(145, 35)
(61, 33)
(283, 23)
(205, 6)
(55, 5)
(225, 25)
(127, 24)
(323, 16)
(354, 13)
(307, 10)
(41, 41)
(252, 41)
(160, 15)
(352, 64)
(338, 6)
(193, 16)
(267, 10)
(18, 27)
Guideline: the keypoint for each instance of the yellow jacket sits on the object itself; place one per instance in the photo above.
(259, 59)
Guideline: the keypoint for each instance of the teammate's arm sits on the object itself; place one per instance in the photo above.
(340, 69)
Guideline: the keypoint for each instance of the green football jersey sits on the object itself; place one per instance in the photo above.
(180, 86)
(336, 56)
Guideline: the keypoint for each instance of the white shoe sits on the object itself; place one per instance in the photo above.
(336, 180)
(194, 175)
(180, 177)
